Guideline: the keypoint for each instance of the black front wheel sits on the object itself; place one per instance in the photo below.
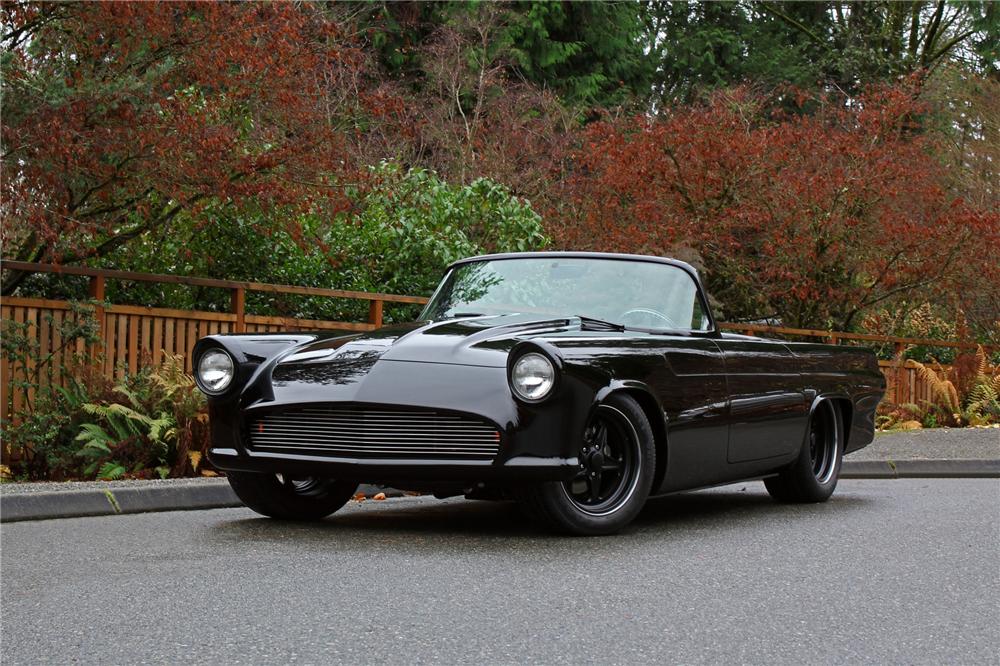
(617, 460)
(813, 476)
(291, 498)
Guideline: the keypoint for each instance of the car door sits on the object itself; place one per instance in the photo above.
(693, 392)
(768, 406)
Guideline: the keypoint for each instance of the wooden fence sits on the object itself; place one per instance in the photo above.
(131, 334)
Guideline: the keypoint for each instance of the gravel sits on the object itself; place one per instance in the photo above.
(63, 486)
(934, 444)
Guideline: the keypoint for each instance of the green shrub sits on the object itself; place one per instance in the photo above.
(40, 445)
(157, 425)
(403, 228)
(153, 423)
(124, 440)
(412, 224)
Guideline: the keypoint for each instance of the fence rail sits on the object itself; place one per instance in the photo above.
(133, 334)
(836, 337)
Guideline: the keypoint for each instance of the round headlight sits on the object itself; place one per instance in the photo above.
(215, 371)
(532, 376)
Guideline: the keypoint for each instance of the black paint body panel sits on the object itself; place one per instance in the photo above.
(725, 407)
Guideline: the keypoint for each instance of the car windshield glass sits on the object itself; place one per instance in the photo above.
(638, 294)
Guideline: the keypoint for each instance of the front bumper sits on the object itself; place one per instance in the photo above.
(367, 470)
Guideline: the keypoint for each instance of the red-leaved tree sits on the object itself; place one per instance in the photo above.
(118, 116)
(810, 219)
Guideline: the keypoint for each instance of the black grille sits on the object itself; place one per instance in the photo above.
(374, 433)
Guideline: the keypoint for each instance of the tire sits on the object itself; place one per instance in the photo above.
(813, 476)
(287, 498)
(618, 461)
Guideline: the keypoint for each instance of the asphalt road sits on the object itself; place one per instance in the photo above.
(898, 571)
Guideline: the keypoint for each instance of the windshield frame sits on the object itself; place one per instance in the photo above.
(712, 331)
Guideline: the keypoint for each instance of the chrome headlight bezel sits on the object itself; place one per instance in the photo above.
(532, 363)
(229, 373)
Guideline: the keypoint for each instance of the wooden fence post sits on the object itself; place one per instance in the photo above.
(95, 289)
(375, 312)
(239, 302)
(901, 374)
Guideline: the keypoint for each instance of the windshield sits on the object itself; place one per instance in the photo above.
(638, 294)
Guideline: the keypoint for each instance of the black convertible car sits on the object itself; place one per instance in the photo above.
(579, 384)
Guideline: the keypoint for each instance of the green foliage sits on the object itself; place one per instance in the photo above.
(404, 227)
(985, 20)
(913, 320)
(42, 438)
(413, 224)
(587, 52)
(698, 47)
(153, 423)
(845, 45)
(21, 348)
(158, 428)
(123, 433)
(110, 471)
(982, 400)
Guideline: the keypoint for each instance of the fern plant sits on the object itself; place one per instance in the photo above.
(944, 395)
(187, 404)
(103, 446)
(979, 405)
(983, 404)
(152, 428)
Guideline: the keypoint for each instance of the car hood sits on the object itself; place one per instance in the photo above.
(483, 341)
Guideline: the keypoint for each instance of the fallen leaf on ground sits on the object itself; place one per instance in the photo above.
(379, 497)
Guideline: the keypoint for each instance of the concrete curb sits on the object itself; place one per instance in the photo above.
(915, 469)
(112, 501)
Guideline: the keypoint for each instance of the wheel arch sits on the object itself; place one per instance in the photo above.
(845, 409)
(650, 406)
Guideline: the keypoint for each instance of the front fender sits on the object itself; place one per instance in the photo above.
(254, 356)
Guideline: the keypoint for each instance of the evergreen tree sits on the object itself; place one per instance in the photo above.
(588, 53)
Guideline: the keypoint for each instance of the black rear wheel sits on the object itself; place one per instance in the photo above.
(291, 497)
(617, 459)
(813, 476)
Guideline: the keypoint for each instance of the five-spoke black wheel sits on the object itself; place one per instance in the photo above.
(610, 458)
(813, 476)
(291, 497)
(617, 459)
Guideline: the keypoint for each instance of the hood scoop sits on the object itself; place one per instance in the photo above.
(347, 365)
(481, 340)
(314, 355)
(346, 351)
